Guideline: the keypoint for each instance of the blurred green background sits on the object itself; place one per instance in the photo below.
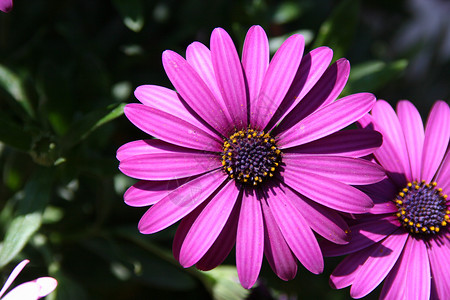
(67, 68)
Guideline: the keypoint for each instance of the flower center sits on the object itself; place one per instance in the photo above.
(422, 208)
(250, 156)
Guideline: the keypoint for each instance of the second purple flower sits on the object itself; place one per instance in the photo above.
(249, 153)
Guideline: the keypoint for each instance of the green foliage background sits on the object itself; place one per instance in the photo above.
(68, 67)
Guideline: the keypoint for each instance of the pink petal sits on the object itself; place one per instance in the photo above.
(418, 276)
(440, 267)
(388, 124)
(180, 202)
(199, 57)
(255, 60)
(443, 175)
(144, 193)
(230, 77)
(381, 194)
(277, 252)
(153, 146)
(328, 192)
(347, 170)
(312, 67)
(169, 165)
(208, 225)
(250, 239)
(347, 270)
(349, 143)
(223, 244)
(327, 120)
(6, 5)
(278, 79)
(195, 91)
(378, 265)
(322, 220)
(437, 135)
(362, 235)
(395, 284)
(412, 126)
(295, 229)
(183, 229)
(169, 101)
(171, 129)
(326, 90)
(13, 275)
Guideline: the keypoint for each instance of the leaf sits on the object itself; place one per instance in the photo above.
(131, 11)
(223, 283)
(14, 135)
(338, 30)
(29, 218)
(82, 128)
(15, 87)
(373, 75)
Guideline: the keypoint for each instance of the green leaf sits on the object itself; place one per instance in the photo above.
(83, 127)
(131, 11)
(373, 75)
(29, 217)
(15, 87)
(223, 283)
(14, 135)
(338, 30)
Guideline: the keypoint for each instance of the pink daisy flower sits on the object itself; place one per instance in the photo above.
(31, 290)
(6, 5)
(249, 154)
(405, 239)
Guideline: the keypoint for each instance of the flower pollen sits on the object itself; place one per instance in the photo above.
(250, 156)
(422, 208)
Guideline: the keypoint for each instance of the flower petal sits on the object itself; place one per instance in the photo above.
(326, 90)
(327, 120)
(311, 69)
(195, 91)
(295, 229)
(223, 244)
(170, 128)
(31, 290)
(348, 170)
(230, 76)
(208, 225)
(328, 192)
(153, 146)
(349, 143)
(199, 57)
(362, 235)
(278, 79)
(395, 284)
(439, 270)
(345, 273)
(250, 239)
(15, 272)
(378, 265)
(255, 60)
(418, 276)
(412, 127)
(169, 101)
(144, 193)
(277, 251)
(322, 220)
(443, 175)
(180, 202)
(437, 136)
(387, 122)
(169, 165)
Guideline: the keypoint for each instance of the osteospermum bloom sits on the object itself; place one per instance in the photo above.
(6, 5)
(249, 153)
(31, 290)
(405, 239)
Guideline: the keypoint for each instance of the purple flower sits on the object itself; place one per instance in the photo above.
(6, 5)
(31, 290)
(405, 239)
(249, 153)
